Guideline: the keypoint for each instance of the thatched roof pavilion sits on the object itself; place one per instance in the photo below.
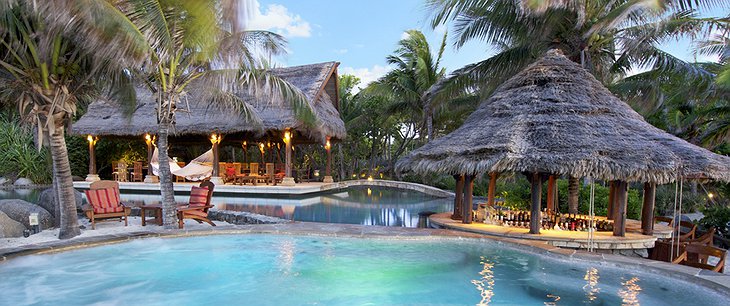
(555, 117)
(318, 82)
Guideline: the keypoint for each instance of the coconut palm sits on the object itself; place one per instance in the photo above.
(185, 41)
(410, 82)
(609, 37)
(45, 73)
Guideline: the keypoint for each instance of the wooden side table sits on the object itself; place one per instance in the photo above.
(157, 212)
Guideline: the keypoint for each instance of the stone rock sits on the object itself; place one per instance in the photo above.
(10, 228)
(47, 200)
(23, 182)
(4, 181)
(19, 210)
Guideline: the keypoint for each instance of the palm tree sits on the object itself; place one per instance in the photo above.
(46, 73)
(608, 37)
(410, 82)
(184, 41)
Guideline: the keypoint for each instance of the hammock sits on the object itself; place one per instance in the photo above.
(198, 169)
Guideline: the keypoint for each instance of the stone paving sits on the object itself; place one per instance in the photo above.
(711, 280)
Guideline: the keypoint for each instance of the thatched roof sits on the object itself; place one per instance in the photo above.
(318, 82)
(555, 117)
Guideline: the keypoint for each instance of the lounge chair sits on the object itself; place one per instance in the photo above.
(103, 198)
(198, 206)
(701, 253)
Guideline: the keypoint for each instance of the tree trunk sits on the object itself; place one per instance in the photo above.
(69, 225)
(573, 187)
(169, 208)
(429, 122)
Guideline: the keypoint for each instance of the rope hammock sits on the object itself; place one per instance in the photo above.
(591, 217)
(198, 169)
(677, 218)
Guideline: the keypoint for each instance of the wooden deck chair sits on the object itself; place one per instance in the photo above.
(104, 203)
(702, 253)
(137, 175)
(686, 234)
(253, 169)
(270, 175)
(198, 206)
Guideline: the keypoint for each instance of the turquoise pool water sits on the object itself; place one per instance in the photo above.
(303, 270)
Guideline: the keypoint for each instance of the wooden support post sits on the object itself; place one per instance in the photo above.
(92, 154)
(647, 210)
(551, 193)
(328, 166)
(492, 186)
(468, 198)
(459, 197)
(620, 202)
(288, 179)
(536, 190)
(611, 195)
(244, 145)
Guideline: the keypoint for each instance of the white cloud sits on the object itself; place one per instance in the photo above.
(340, 51)
(366, 75)
(277, 18)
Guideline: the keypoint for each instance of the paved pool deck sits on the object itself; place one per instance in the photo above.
(710, 280)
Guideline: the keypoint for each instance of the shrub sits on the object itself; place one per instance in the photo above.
(717, 217)
(20, 156)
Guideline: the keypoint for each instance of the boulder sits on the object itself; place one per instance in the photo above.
(47, 200)
(23, 182)
(10, 228)
(4, 181)
(20, 210)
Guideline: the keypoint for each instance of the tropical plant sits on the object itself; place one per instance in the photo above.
(45, 73)
(186, 41)
(20, 156)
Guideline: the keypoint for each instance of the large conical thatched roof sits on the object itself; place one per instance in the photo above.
(555, 117)
(316, 81)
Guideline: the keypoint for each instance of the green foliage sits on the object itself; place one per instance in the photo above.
(665, 200)
(19, 155)
(515, 191)
(717, 217)
(78, 155)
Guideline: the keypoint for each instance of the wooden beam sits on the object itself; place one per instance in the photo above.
(536, 191)
(468, 198)
(620, 202)
(647, 210)
(611, 194)
(492, 186)
(459, 197)
(551, 193)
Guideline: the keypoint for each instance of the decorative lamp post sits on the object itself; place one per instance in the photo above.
(215, 139)
(149, 140)
(92, 176)
(328, 167)
(262, 150)
(245, 151)
(288, 179)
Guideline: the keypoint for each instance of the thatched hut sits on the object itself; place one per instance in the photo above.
(198, 119)
(555, 118)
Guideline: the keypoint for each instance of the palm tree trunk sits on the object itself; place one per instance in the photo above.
(429, 122)
(169, 208)
(573, 185)
(69, 225)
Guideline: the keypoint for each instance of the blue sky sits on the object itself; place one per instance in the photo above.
(360, 34)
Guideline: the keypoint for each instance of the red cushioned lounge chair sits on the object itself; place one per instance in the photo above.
(104, 203)
(198, 206)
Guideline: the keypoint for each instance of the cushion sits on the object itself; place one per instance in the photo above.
(198, 196)
(197, 212)
(104, 201)
(230, 171)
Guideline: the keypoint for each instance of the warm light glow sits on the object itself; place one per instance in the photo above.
(327, 145)
(245, 144)
(354, 175)
(287, 136)
(91, 139)
(215, 138)
(485, 283)
(370, 178)
(147, 137)
(316, 173)
(370, 192)
(261, 147)
(710, 195)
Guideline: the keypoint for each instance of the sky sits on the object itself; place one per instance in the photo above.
(360, 34)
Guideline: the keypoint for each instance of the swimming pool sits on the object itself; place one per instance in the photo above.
(354, 205)
(267, 269)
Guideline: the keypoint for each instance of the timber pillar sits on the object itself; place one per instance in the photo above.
(468, 198)
(458, 197)
(619, 206)
(288, 179)
(92, 176)
(647, 210)
(536, 192)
